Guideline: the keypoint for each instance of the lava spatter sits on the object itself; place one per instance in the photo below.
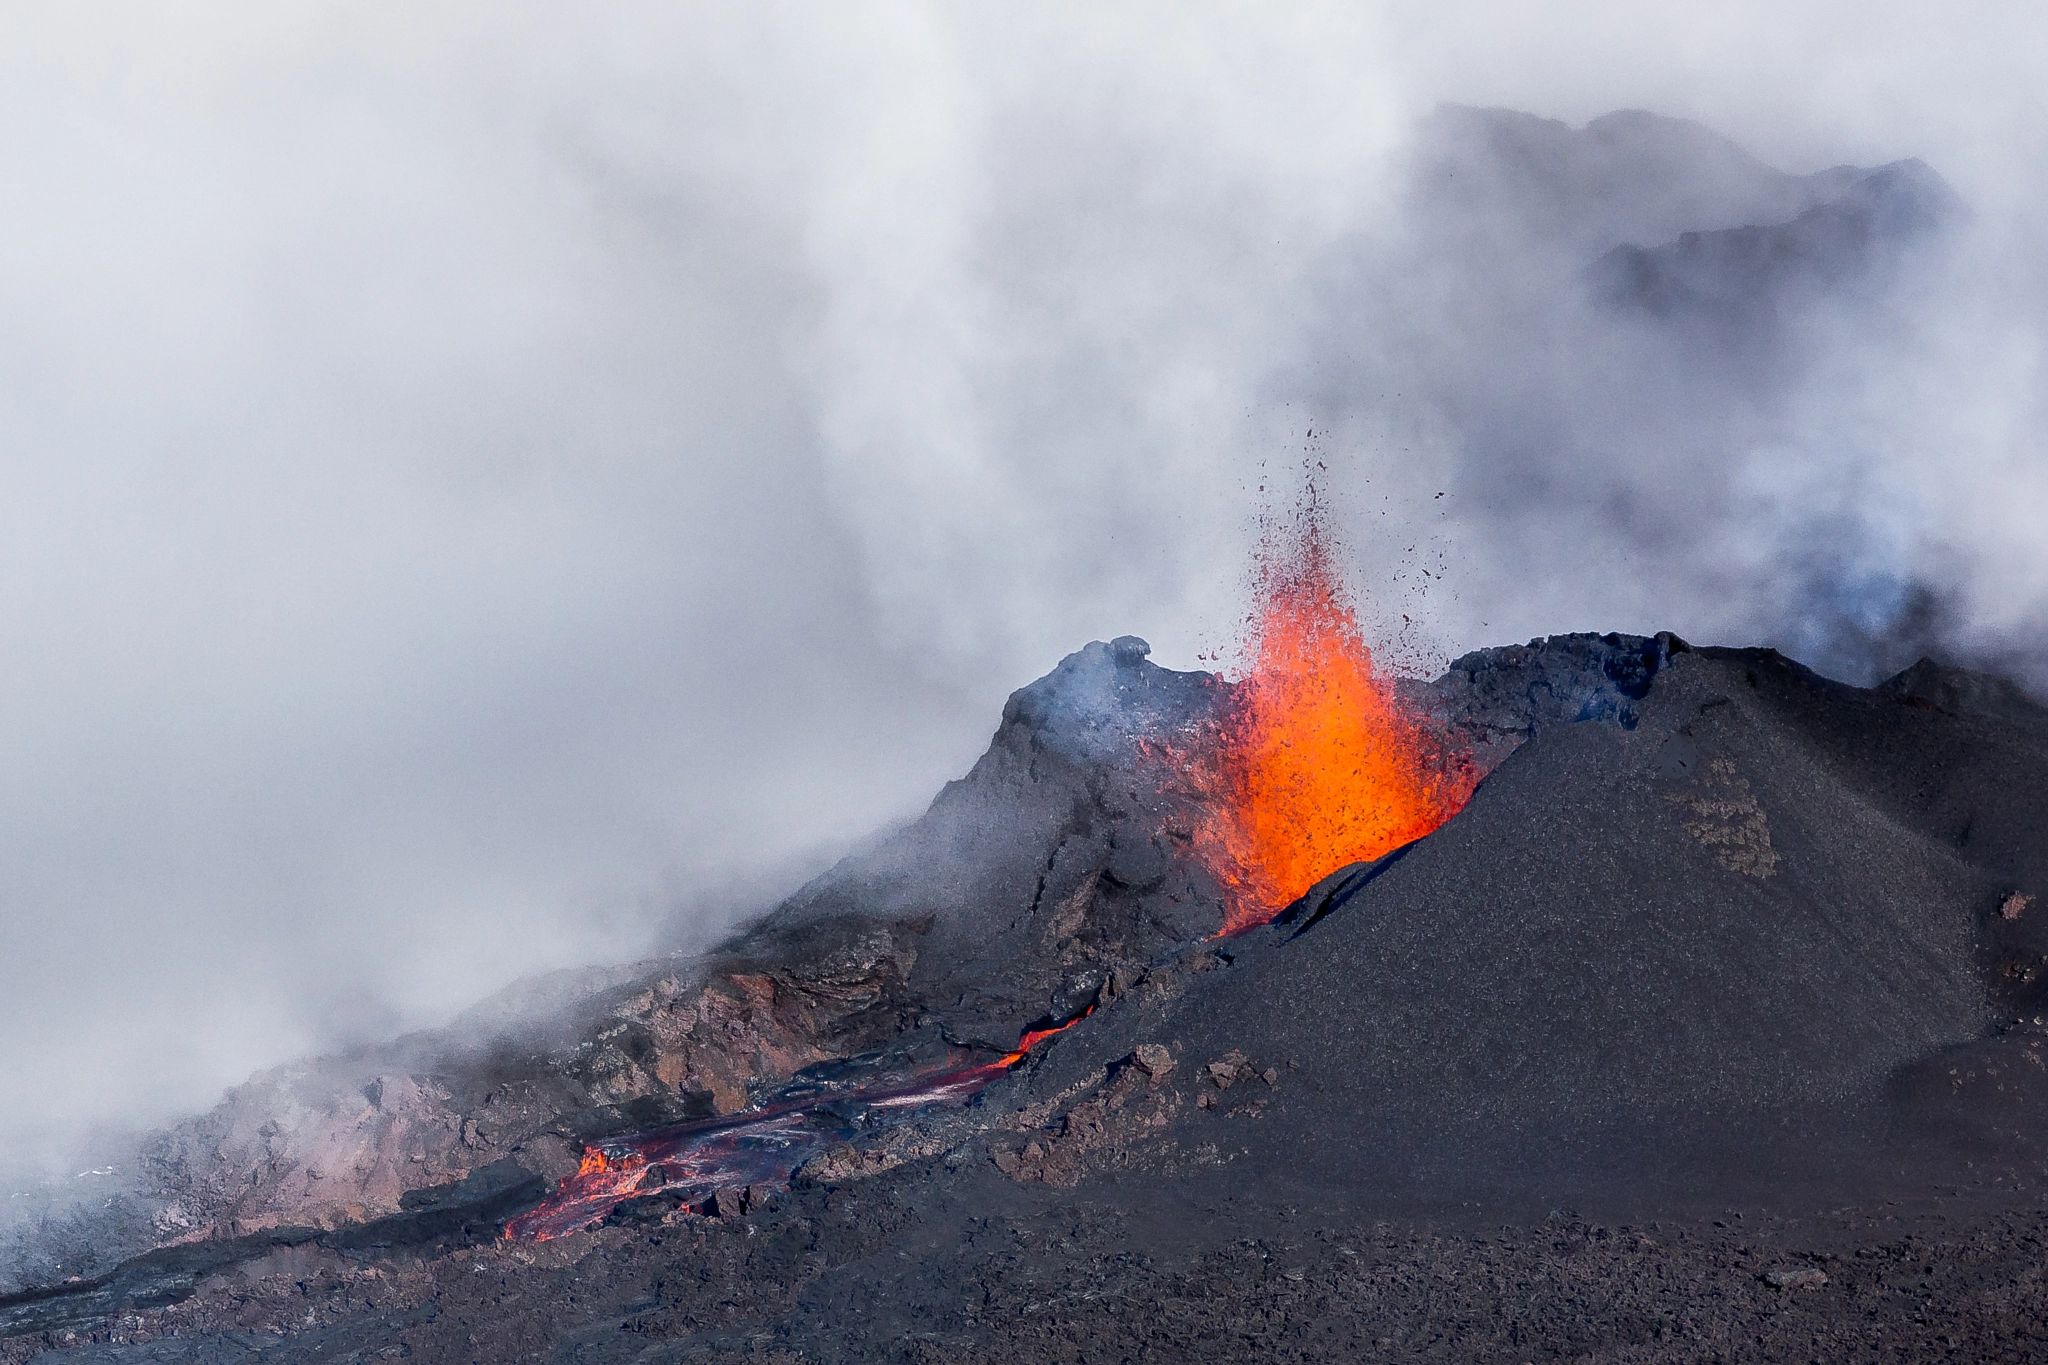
(1314, 762)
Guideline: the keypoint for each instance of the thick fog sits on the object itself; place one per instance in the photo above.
(493, 487)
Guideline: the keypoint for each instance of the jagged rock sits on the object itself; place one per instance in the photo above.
(1043, 871)
(1230, 1068)
(1498, 699)
(1153, 1059)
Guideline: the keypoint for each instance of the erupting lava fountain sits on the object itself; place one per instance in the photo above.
(1315, 763)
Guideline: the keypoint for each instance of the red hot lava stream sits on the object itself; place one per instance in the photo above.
(694, 1160)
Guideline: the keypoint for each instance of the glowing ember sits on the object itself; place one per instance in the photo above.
(1316, 763)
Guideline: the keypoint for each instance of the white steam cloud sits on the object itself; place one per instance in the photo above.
(486, 487)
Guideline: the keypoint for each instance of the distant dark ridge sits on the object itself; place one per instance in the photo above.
(1733, 276)
(1629, 176)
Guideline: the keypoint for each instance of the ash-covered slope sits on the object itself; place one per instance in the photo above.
(1055, 863)
(1762, 934)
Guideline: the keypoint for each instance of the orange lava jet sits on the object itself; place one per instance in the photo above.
(1315, 762)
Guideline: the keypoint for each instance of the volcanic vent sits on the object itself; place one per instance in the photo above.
(1312, 761)
(1309, 762)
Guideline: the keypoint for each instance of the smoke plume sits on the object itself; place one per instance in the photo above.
(488, 491)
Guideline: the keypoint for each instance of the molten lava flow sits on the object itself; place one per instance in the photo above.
(1315, 763)
(1034, 1036)
(765, 1147)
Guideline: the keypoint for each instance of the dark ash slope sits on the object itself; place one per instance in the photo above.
(1715, 952)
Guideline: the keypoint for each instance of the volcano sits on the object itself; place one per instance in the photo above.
(1603, 997)
(1717, 944)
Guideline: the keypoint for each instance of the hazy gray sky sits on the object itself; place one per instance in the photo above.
(480, 480)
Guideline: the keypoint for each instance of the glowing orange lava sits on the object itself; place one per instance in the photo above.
(1034, 1036)
(1315, 763)
(763, 1147)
